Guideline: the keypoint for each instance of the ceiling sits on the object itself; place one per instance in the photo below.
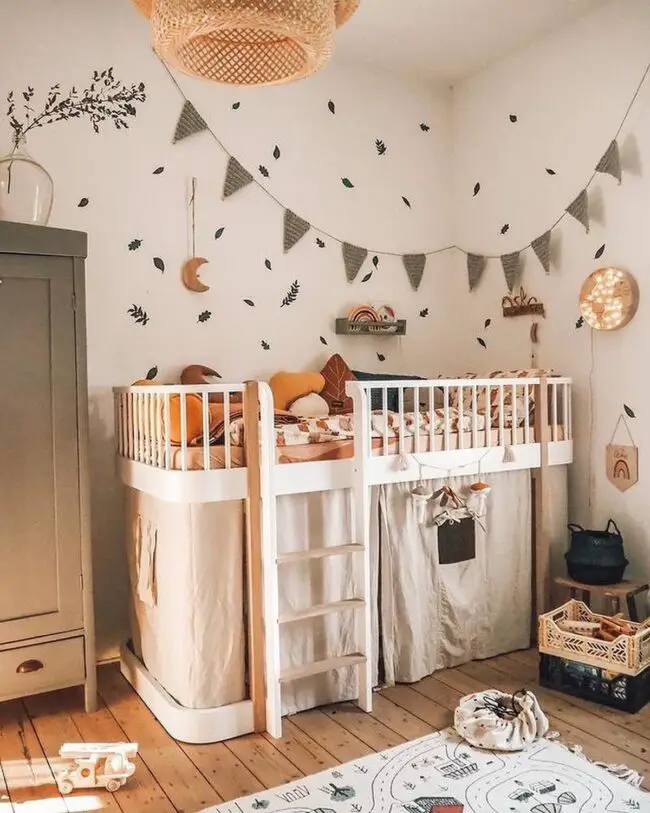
(447, 40)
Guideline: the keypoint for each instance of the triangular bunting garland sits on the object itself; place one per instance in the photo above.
(510, 263)
(236, 178)
(353, 257)
(610, 163)
(414, 264)
(542, 248)
(189, 123)
(579, 209)
(475, 267)
(294, 228)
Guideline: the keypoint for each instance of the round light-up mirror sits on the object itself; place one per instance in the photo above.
(609, 298)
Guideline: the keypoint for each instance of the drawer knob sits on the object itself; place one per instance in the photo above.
(29, 666)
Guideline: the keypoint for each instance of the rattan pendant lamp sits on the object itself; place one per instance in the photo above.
(246, 42)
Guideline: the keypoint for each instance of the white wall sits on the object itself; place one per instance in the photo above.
(569, 92)
(64, 42)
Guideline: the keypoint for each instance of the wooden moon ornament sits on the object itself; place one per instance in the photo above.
(609, 298)
(190, 275)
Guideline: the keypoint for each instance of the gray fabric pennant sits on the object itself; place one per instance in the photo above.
(579, 209)
(510, 263)
(353, 257)
(542, 248)
(414, 264)
(236, 178)
(294, 229)
(189, 122)
(610, 163)
(476, 264)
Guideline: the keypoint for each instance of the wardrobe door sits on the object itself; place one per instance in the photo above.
(40, 539)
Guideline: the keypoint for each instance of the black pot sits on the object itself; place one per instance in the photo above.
(596, 557)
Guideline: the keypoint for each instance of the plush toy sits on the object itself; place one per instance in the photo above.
(287, 388)
(310, 406)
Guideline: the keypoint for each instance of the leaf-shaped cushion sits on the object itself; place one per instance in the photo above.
(336, 373)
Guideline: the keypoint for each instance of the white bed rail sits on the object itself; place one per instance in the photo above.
(445, 415)
(146, 430)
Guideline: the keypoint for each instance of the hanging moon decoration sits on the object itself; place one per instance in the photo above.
(190, 275)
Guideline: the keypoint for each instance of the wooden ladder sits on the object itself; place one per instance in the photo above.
(273, 561)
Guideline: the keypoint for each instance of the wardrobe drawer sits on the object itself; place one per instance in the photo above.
(41, 667)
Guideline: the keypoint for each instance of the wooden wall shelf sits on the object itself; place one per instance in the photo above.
(346, 328)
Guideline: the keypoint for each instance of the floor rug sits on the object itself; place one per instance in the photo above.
(441, 774)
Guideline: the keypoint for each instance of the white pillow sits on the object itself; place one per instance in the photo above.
(310, 406)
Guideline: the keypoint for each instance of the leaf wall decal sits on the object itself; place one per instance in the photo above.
(347, 183)
(600, 252)
(83, 202)
(513, 118)
(487, 324)
(505, 228)
(265, 345)
(323, 340)
(331, 106)
(139, 315)
(424, 312)
(134, 245)
(424, 127)
(406, 201)
(267, 263)
(381, 357)
(380, 146)
(551, 171)
(291, 295)
(481, 342)
(236, 105)
(158, 170)
(263, 171)
(320, 243)
(580, 322)
(153, 372)
(276, 152)
(204, 316)
(375, 261)
(367, 277)
(159, 264)
(249, 302)
(477, 188)
(219, 232)
(629, 411)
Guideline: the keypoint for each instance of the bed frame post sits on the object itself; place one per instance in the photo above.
(254, 556)
(542, 503)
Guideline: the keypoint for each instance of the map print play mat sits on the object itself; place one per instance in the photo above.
(441, 774)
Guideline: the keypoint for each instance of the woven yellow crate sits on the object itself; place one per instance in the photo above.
(628, 654)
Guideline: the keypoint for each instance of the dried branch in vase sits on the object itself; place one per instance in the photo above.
(105, 99)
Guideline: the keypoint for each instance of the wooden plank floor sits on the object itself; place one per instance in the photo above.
(171, 776)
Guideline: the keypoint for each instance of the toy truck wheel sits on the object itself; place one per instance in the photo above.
(66, 786)
(112, 785)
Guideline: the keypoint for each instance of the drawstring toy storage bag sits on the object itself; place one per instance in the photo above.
(500, 722)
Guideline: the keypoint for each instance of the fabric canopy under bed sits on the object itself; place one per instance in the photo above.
(186, 567)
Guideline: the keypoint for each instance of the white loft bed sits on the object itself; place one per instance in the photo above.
(379, 454)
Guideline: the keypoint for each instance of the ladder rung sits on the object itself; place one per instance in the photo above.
(319, 553)
(323, 609)
(318, 667)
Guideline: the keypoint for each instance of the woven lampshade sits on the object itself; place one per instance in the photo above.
(244, 42)
(145, 6)
(344, 9)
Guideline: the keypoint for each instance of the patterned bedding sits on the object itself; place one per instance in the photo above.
(307, 431)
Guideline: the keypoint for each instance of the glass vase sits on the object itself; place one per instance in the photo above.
(26, 188)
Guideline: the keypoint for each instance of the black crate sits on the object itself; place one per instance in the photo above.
(592, 683)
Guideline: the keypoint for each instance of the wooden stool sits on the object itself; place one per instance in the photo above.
(613, 593)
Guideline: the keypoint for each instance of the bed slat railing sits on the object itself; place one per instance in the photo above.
(151, 425)
(460, 414)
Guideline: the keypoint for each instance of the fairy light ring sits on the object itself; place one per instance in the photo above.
(609, 299)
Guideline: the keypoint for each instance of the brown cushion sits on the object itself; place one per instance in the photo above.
(336, 372)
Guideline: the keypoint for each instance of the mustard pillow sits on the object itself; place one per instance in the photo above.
(288, 387)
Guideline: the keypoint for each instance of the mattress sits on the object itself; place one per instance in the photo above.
(313, 449)
(186, 570)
